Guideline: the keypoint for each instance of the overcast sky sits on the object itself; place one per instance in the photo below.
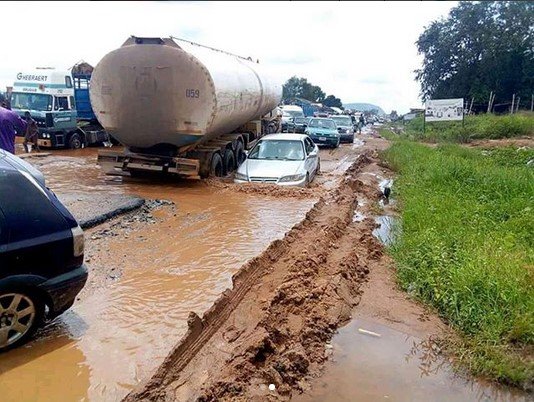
(358, 51)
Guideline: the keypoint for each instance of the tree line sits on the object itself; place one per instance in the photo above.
(301, 88)
(481, 50)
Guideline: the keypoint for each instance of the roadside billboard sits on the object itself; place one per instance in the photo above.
(444, 109)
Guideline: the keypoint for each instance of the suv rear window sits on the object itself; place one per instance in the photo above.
(28, 212)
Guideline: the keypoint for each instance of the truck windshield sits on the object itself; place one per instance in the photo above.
(278, 149)
(342, 121)
(40, 102)
(294, 113)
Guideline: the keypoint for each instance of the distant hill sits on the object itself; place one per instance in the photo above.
(363, 107)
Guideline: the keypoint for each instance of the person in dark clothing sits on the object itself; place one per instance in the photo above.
(10, 123)
(32, 133)
(362, 123)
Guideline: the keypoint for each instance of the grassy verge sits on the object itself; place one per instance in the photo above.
(484, 126)
(467, 248)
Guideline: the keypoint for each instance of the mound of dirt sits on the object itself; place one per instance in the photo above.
(265, 189)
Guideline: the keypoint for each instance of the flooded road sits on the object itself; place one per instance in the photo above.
(374, 362)
(155, 273)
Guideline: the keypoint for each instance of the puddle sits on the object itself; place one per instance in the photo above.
(115, 337)
(374, 175)
(393, 366)
(357, 143)
(385, 232)
(358, 217)
(385, 183)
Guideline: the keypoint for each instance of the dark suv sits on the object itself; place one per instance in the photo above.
(41, 252)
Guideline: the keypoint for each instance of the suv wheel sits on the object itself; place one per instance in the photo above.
(21, 313)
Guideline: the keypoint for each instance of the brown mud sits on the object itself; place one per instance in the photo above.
(285, 305)
(147, 270)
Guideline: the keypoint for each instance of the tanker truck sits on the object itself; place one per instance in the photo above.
(182, 109)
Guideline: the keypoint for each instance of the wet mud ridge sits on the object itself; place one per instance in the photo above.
(274, 326)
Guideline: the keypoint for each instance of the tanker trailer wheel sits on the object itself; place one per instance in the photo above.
(240, 155)
(229, 162)
(216, 166)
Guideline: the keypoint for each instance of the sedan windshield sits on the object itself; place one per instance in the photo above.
(323, 123)
(40, 102)
(342, 121)
(278, 149)
(301, 120)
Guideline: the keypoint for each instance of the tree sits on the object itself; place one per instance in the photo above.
(393, 115)
(480, 47)
(332, 101)
(301, 88)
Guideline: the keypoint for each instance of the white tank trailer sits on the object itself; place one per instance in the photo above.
(183, 108)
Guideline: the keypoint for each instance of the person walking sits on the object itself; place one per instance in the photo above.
(10, 124)
(32, 133)
(362, 122)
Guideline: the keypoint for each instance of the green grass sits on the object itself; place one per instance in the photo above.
(467, 248)
(483, 126)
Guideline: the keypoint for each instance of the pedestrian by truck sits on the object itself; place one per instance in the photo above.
(31, 135)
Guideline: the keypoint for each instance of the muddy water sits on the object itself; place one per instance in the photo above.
(116, 336)
(373, 362)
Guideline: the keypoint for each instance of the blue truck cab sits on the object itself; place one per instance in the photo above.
(59, 102)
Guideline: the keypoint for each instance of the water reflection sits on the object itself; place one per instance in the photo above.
(394, 366)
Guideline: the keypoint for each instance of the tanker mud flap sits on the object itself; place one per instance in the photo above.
(123, 164)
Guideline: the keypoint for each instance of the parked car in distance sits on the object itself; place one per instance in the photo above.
(289, 113)
(287, 120)
(41, 253)
(324, 132)
(345, 128)
(299, 125)
(283, 159)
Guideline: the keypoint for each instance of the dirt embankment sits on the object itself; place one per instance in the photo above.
(273, 327)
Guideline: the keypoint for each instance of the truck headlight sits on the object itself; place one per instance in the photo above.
(293, 177)
(241, 176)
(347, 131)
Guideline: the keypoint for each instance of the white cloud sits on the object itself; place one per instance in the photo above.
(360, 52)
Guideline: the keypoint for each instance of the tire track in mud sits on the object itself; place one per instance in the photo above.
(285, 305)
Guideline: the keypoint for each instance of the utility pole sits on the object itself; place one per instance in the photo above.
(470, 106)
(517, 107)
(489, 101)
(513, 102)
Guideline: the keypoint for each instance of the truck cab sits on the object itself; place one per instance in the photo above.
(48, 94)
(59, 102)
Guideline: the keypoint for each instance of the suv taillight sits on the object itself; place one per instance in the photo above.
(77, 241)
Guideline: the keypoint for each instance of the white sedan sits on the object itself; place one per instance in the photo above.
(283, 159)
